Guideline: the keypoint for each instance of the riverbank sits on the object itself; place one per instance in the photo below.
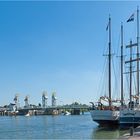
(133, 135)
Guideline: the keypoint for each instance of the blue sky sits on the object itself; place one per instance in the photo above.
(57, 46)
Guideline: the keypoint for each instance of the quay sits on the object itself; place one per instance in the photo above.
(134, 134)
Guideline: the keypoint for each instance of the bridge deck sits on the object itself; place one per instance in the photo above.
(57, 107)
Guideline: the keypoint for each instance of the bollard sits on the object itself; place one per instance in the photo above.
(131, 131)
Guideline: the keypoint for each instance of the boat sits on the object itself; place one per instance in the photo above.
(27, 115)
(130, 113)
(67, 113)
(130, 117)
(106, 115)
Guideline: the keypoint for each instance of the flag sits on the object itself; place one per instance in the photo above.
(107, 26)
(131, 18)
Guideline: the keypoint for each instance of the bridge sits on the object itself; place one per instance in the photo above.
(55, 107)
(50, 110)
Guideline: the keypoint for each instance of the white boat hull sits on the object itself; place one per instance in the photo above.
(27, 115)
(105, 117)
(67, 113)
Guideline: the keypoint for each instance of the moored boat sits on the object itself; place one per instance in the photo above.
(106, 114)
(129, 118)
(105, 117)
(130, 114)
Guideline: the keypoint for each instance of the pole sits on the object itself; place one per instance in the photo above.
(122, 98)
(109, 66)
(130, 94)
(137, 101)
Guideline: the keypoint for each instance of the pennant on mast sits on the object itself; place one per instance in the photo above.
(131, 18)
(107, 26)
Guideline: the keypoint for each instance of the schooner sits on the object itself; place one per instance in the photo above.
(106, 115)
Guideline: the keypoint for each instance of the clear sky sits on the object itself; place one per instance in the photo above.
(57, 46)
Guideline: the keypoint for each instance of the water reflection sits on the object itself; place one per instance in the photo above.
(110, 133)
(54, 127)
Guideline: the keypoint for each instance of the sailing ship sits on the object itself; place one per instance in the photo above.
(130, 114)
(106, 115)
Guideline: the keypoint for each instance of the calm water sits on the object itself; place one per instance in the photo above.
(54, 127)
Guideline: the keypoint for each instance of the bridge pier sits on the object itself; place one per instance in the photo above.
(75, 112)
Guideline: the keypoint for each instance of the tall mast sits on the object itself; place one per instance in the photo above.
(137, 54)
(130, 94)
(109, 63)
(122, 98)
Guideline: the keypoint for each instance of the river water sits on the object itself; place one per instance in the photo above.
(54, 127)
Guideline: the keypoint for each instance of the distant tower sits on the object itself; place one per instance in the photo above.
(44, 99)
(26, 100)
(54, 99)
(16, 100)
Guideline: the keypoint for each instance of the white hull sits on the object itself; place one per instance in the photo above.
(27, 115)
(105, 116)
(67, 113)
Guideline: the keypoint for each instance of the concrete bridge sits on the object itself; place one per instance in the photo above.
(56, 107)
(53, 110)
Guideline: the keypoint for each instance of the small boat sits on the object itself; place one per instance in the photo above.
(27, 115)
(67, 113)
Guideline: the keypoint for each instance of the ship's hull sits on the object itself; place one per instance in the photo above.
(105, 117)
(108, 123)
(129, 118)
